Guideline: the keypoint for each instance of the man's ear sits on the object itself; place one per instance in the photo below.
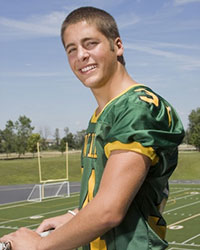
(119, 46)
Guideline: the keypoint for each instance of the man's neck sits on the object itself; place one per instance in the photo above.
(120, 82)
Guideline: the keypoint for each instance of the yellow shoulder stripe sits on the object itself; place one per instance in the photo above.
(134, 146)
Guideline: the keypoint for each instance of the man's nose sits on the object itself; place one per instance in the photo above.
(82, 54)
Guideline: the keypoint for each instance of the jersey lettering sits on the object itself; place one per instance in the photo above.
(152, 99)
(169, 115)
(85, 144)
(89, 149)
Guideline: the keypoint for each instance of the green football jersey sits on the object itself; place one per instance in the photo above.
(141, 121)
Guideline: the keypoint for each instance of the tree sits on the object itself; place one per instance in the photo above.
(70, 140)
(32, 142)
(63, 145)
(8, 138)
(66, 130)
(24, 131)
(1, 142)
(79, 138)
(194, 128)
(57, 137)
(44, 134)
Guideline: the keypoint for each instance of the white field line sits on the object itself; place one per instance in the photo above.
(183, 197)
(196, 236)
(21, 204)
(186, 219)
(179, 191)
(174, 209)
(14, 188)
(27, 217)
(175, 248)
(30, 203)
(182, 188)
(181, 244)
(178, 248)
(22, 188)
(8, 227)
(33, 225)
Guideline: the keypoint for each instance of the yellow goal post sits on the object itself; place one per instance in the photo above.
(48, 188)
(66, 178)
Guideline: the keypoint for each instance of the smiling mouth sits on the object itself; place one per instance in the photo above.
(88, 68)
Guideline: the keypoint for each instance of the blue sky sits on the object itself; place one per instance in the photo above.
(162, 50)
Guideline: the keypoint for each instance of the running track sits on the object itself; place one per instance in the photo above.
(18, 193)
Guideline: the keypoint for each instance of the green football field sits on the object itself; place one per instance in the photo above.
(181, 213)
(31, 214)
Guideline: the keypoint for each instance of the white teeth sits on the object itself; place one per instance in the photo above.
(88, 68)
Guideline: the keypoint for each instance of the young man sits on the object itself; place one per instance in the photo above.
(129, 153)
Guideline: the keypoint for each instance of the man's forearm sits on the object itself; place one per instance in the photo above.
(86, 226)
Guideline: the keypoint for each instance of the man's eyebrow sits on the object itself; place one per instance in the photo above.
(90, 39)
(82, 41)
(87, 38)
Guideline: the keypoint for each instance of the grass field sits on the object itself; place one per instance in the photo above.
(182, 215)
(31, 214)
(25, 171)
(188, 166)
(182, 212)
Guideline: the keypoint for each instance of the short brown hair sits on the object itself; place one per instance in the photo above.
(104, 22)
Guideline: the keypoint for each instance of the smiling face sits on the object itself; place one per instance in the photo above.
(90, 55)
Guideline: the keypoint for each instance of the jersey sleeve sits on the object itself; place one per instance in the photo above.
(144, 125)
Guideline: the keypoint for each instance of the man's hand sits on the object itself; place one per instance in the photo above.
(22, 239)
(54, 222)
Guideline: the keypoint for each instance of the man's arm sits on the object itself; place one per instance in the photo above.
(124, 174)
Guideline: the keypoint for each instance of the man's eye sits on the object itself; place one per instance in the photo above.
(91, 44)
(70, 51)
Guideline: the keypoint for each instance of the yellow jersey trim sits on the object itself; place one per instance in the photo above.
(159, 230)
(96, 244)
(91, 184)
(96, 117)
(134, 146)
